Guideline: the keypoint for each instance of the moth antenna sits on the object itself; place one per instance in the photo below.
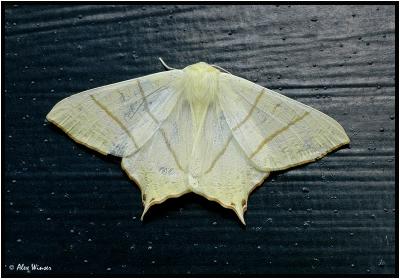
(222, 69)
(165, 64)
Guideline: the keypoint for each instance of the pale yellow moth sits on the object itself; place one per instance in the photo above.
(198, 130)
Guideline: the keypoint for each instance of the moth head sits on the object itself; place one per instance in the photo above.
(201, 67)
(200, 85)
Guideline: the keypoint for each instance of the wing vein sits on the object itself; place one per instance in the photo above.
(277, 132)
(146, 104)
(116, 120)
(170, 149)
(250, 112)
(219, 154)
(169, 146)
(268, 113)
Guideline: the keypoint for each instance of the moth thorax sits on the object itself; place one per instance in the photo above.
(201, 83)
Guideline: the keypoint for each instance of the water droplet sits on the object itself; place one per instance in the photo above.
(351, 234)
(214, 223)
(373, 216)
(353, 15)
(153, 262)
(290, 209)
(315, 263)
(72, 230)
(150, 247)
(19, 240)
(381, 130)
(335, 211)
(381, 263)
(13, 181)
(306, 223)
(48, 219)
(353, 265)
(305, 190)
(108, 268)
(89, 240)
(314, 19)
(392, 117)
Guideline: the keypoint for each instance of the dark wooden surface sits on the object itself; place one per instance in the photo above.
(74, 210)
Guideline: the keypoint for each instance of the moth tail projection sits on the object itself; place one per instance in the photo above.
(155, 171)
(240, 214)
(146, 208)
